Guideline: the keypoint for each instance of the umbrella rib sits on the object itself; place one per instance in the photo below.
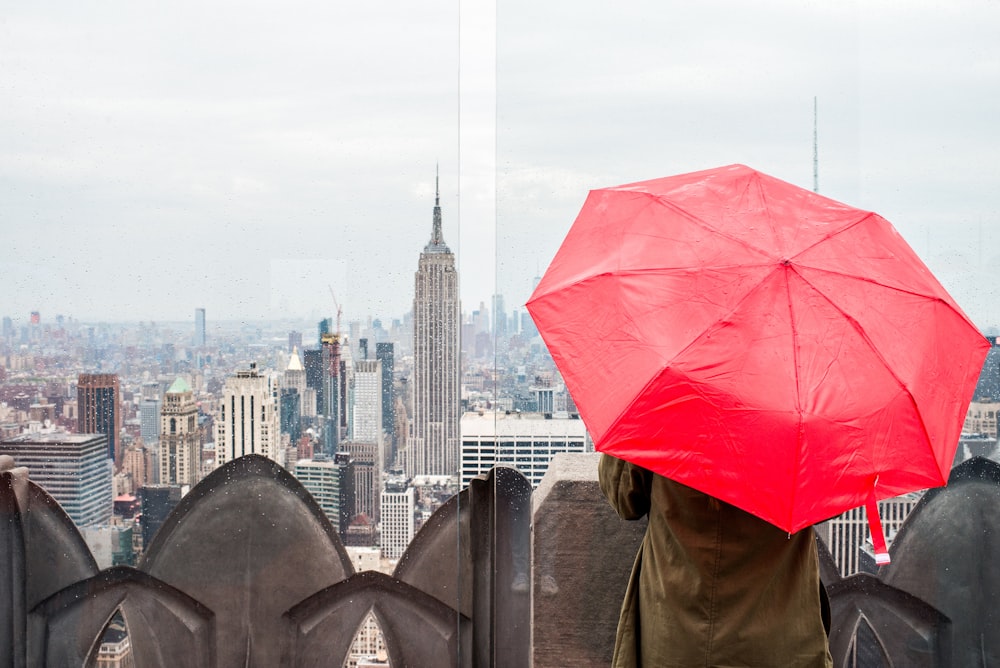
(875, 351)
(798, 396)
(708, 328)
(704, 225)
(867, 215)
(872, 281)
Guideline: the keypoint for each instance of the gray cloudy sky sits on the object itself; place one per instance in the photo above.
(241, 156)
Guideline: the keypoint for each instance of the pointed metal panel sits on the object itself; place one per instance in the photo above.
(419, 630)
(166, 627)
(248, 542)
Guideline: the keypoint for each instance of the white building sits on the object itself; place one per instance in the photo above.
(397, 510)
(981, 418)
(366, 413)
(249, 419)
(847, 534)
(525, 441)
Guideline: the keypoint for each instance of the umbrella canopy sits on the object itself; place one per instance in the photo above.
(776, 349)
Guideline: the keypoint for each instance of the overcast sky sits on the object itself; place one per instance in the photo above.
(244, 157)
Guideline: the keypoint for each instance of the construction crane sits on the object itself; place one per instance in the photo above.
(339, 310)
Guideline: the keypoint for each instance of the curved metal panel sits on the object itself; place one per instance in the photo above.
(248, 542)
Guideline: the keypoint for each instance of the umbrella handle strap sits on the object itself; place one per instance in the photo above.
(875, 526)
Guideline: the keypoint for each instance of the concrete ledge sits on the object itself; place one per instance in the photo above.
(583, 554)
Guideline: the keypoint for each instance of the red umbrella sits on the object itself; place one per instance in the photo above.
(773, 348)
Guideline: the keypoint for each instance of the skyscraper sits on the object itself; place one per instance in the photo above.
(98, 402)
(199, 328)
(366, 418)
(180, 436)
(249, 419)
(397, 510)
(73, 468)
(384, 354)
(331, 393)
(149, 421)
(433, 446)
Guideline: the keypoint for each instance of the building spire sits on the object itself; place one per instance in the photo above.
(437, 236)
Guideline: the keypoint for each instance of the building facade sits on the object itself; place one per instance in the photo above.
(98, 399)
(433, 446)
(847, 535)
(524, 441)
(73, 468)
(398, 507)
(180, 436)
(249, 417)
(149, 421)
(322, 477)
(384, 353)
(366, 411)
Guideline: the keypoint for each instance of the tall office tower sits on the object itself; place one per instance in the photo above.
(331, 394)
(433, 446)
(149, 421)
(330, 480)
(249, 419)
(366, 419)
(312, 360)
(98, 409)
(365, 458)
(294, 341)
(525, 441)
(346, 386)
(384, 354)
(180, 437)
(73, 468)
(397, 508)
(291, 414)
(295, 378)
(321, 476)
(199, 328)
(499, 318)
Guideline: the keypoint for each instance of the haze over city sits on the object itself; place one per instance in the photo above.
(243, 159)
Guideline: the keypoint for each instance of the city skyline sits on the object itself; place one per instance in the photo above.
(280, 154)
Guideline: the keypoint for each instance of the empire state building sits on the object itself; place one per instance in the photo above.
(434, 444)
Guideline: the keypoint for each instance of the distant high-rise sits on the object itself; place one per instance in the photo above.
(322, 477)
(98, 400)
(366, 418)
(398, 504)
(199, 328)
(294, 340)
(149, 421)
(180, 436)
(312, 360)
(331, 393)
(433, 446)
(525, 441)
(249, 419)
(73, 468)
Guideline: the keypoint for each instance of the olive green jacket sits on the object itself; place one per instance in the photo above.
(712, 585)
